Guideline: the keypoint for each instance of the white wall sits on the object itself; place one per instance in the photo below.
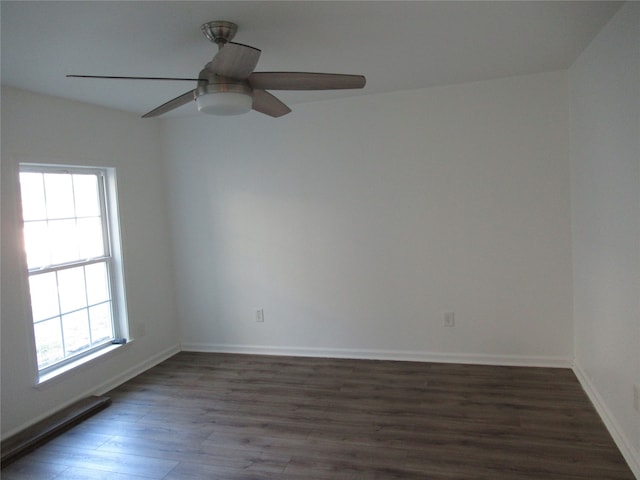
(355, 223)
(40, 128)
(605, 170)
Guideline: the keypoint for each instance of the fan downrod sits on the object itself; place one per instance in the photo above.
(219, 31)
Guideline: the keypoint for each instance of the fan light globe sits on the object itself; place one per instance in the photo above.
(224, 103)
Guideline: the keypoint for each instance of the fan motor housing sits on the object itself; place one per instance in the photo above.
(219, 31)
(224, 87)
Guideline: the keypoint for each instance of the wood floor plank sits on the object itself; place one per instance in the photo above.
(102, 461)
(224, 416)
(28, 469)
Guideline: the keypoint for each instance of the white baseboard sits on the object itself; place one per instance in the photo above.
(134, 371)
(369, 354)
(624, 445)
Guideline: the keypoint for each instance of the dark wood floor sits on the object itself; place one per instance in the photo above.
(218, 416)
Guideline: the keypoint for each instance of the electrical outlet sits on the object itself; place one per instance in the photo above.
(636, 397)
(259, 315)
(449, 319)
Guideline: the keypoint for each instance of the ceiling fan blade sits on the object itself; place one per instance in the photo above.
(172, 104)
(304, 81)
(135, 78)
(235, 60)
(266, 103)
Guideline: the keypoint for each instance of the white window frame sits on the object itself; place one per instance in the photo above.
(112, 259)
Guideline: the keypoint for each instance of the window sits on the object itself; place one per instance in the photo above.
(75, 279)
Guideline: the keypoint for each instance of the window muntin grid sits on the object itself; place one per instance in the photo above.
(68, 249)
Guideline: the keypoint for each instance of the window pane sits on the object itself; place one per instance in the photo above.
(32, 189)
(59, 192)
(101, 325)
(64, 241)
(90, 237)
(75, 327)
(87, 199)
(72, 289)
(44, 296)
(36, 235)
(97, 283)
(48, 342)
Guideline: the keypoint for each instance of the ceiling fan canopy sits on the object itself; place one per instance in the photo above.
(228, 85)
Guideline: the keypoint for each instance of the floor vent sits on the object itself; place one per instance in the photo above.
(40, 433)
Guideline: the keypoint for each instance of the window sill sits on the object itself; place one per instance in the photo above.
(58, 374)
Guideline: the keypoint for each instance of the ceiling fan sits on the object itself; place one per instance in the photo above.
(227, 85)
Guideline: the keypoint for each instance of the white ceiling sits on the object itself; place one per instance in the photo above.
(397, 45)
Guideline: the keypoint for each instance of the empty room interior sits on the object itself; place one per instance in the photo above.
(424, 266)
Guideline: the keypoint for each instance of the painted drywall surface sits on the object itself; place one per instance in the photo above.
(605, 171)
(356, 223)
(40, 128)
